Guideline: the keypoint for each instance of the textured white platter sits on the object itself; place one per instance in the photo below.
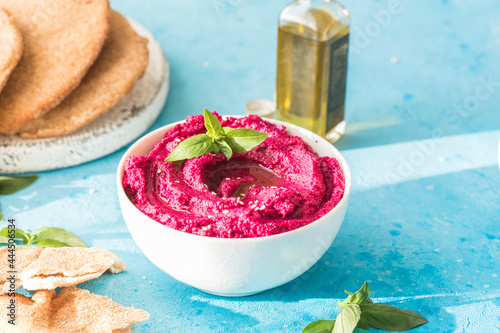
(108, 133)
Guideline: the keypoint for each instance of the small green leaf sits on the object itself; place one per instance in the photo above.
(320, 326)
(9, 185)
(390, 318)
(243, 139)
(361, 295)
(362, 323)
(44, 237)
(225, 149)
(19, 234)
(1, 216)
(212, 124)
(4, 240)
(58, 235)
(347, 319)
(192, 147)
(53, 243)
(33, 234)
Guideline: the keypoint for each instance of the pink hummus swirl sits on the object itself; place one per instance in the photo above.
(278, 186)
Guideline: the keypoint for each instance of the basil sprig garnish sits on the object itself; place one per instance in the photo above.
(10, 185)
(358, 311)
(44, 237)
(218, 139)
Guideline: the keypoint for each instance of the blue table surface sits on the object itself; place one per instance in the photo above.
(423, 125)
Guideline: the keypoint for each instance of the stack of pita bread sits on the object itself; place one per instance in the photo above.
(63, 63)
(72, 310)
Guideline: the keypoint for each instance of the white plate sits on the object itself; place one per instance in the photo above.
(110, 132)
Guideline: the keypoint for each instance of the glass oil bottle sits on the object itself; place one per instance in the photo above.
(313, 37)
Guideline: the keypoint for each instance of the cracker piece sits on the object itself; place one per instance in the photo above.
(11, 46)
(62, 39)
(73, 310)
(24, 256)
(118, 266)
(123, 60)
(50, 282)
(54, 267)
(115, 315)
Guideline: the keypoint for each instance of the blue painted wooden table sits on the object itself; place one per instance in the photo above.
(423, 128)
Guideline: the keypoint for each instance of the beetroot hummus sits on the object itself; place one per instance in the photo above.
(278, 186)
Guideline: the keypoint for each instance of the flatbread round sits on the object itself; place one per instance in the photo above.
(123, 60)
(11, 46)
(62, 39)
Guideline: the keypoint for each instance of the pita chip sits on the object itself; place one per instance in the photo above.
(24, 256)
(73, 310)
(54, 267)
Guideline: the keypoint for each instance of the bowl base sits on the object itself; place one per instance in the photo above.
(231, 294)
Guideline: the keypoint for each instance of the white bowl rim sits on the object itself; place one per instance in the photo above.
(338, 156)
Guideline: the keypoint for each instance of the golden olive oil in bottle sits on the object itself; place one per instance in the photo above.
(313, 37)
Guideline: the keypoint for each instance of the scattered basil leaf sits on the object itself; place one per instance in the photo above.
(53, 243)
(362, 323)
(390, 318)
(358, 311)
(10, 185)
(320, 326)
(58, 235)
(225, 149)
(217, 139)
(192, 147)
(19, 234)
(361, 295)
(212, 124)
(243, 139)
(37, 231)
(347, 319)
(44, 237)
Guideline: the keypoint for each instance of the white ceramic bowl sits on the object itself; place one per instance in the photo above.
(233, 267)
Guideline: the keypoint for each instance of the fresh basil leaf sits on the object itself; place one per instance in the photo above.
(361, 295)
(19, 234)
(212, 124)
(4, 240)
(9, 185)
(362, 323)
(390, 318)
(225, 149)
(347, 319)
(58, 235)
(53, 243)
(243, 139)
(320, 326)
(192, 147)
(235, 147)
(33, 234)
